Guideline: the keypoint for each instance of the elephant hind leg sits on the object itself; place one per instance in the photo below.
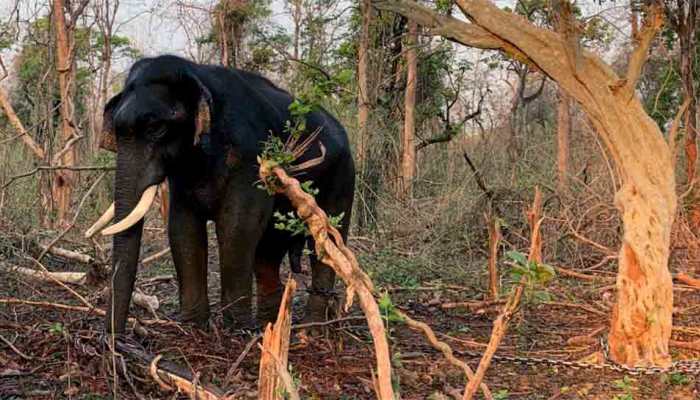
(268, 257)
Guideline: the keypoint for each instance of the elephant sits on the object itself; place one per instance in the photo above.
(201, 127)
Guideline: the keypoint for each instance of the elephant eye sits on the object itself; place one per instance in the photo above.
(156, 131)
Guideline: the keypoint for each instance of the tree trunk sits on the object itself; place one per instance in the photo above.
(563, 135)
(64, 180)
(641, 321)
(408, 148)
(362, 81)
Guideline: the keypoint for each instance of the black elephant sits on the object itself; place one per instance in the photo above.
(202, 127)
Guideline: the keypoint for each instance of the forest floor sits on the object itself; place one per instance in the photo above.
(57, 354)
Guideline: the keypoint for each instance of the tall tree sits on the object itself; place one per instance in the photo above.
(642, 316)
(683, 19)
(566, 26)
(408, 148)
(363, 81)
(64, 180)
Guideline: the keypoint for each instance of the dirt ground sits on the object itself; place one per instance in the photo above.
(48, 353)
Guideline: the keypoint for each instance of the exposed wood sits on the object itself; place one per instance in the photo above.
(494, 240)
(69, 254)
(330, 244)
(272, 381)
(76, 278)
(688, 280)
(155, 256)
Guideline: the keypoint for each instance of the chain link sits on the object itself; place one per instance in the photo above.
(683, 366)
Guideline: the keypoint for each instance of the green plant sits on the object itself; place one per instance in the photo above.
(536, 274)
(502, 394)
(676, 379)
(626, 384)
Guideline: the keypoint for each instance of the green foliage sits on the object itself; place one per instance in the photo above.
(537, 275)
(274, 150)
(388, 310)
(308, 188)
(502, 394)
(676, 379)
(626, 384)
(290, 223)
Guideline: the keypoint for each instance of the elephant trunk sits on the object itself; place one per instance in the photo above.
(128, 191)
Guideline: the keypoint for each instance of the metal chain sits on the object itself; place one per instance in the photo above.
(683, 366)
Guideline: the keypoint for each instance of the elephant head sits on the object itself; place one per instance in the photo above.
(156, 120)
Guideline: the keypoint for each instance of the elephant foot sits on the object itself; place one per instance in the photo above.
(197, 315)
(321, 306)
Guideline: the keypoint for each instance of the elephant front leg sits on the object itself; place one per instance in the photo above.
(236, 259)
(188, 243)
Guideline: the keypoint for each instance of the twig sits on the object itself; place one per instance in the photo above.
(56, 168)
(15, 349)
(154, 257)
(688, 280)
(579, 275)
(494, 239)
(445, 349)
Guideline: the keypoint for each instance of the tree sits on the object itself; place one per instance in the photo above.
(683, 18)
(642, 316)
(362, 81)
(408, 149)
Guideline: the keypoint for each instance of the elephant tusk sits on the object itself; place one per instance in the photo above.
(100, 223)
(136, 214)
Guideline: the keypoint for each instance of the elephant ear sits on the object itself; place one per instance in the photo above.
(202, 119)
(108, 140)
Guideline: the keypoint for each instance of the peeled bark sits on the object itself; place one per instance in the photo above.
(641, 321)
(408, 148)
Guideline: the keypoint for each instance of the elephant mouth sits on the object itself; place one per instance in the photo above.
(136, 214)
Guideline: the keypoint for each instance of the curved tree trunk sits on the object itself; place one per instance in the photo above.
(641, 321)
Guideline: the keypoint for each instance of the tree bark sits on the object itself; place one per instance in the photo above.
(408, 148)
(563, 135)
(64, 180)
(362, 81)
(641, 321)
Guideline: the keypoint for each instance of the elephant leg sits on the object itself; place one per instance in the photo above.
(188, 242)
(239, 228)
(268, 257)
(323, 276)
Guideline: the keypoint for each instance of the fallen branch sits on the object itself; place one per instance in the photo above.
(275, 350)
(76, 278)
(688, 280)
(445, 349)
(155, 256)
(337, 256)
(171, 376)
(69, 254)
(585, 277)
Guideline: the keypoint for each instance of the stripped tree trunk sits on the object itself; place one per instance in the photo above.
(64, 180)
(408, 148)
(641, 321)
